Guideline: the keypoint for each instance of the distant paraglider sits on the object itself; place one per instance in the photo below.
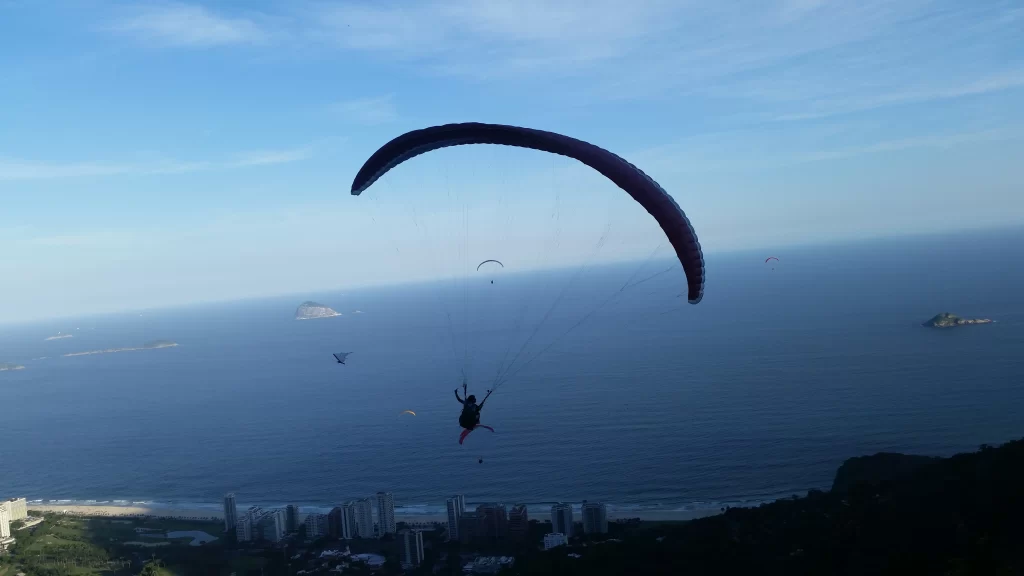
(341, 356)
(486, 261)
(489, 261)
(407, 412)
(771, 258)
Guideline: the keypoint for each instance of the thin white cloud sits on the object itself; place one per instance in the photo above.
(834, 107)
(366, 111)
(795, 59)
(15, 169)
(939, 141)
(266, 157)
(488, 38)
(188, 25)
(741, 150)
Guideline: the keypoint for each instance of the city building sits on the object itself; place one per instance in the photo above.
(348, 521)
(386, 513)
(5, 521)
(273, 526)
(595, 518)
(456, 508)
(363, 512)
(316, 525)
(6, 543)
(495, 521)
(518, 523)
(561, 519)
(412, 548)
(554, 540)
(292, 518)
(230, 512)
(17, 508)
(334, 518)
(491, 564)
(471, 527)
(243, 529)
(245, 526)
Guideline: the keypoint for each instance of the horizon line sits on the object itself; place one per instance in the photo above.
(423, 282)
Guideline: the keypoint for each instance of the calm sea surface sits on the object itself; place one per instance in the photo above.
(631, 396)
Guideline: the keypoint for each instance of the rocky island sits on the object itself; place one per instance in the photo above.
(309, 310)
(947, 320)
(5, 366)
(147, 346)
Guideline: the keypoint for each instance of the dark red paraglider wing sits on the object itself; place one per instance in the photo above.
(771, 258)
(640, 186)
(466, 431)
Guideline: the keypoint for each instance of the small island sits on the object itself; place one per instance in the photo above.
(156, 344)
(6, 366)
(309, 310)
(59, 336)
(947, 320)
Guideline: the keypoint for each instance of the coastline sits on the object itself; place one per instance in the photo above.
(212, 515)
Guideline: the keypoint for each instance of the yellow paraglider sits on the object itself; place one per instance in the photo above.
(407, 412)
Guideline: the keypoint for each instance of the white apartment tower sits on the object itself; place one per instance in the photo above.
(17, 508)
(316, 525)
(363, 509)
(561, 519)
(595, 518)
(349, 527)
(5, 521)
(456, 508)
(386, 513)
(245, 526)
(230, 512)
(412, 548)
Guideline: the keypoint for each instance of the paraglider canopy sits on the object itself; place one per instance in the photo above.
(486, 261)
(626, 176)
(407, 412)
(771, 258)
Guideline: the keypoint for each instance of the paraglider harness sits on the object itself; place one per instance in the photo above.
(470, 416)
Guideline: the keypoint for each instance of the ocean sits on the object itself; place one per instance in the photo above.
(761, 391)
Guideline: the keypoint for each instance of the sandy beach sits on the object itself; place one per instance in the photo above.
(126, 511)
(207, 514)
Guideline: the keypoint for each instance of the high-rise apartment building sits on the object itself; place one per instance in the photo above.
(412, 548)
(561, 519)
(595, 518)
(495, 521)
(291, 518)
(363, 509)
(230, 512)
(316, 525)
(456, 508)
(385, 513)
(518, 523)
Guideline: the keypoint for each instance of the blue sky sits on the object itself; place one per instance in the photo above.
(164, 153)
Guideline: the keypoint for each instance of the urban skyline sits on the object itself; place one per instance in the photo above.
(367, 518)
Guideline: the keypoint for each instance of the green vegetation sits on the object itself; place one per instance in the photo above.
(73, 546)
(951, 516)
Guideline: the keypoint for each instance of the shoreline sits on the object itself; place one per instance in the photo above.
(211, 515)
